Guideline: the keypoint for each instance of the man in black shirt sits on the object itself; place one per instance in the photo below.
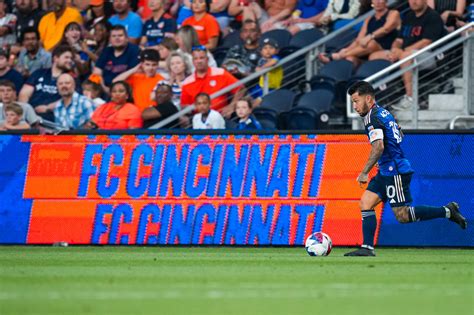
(421, 26)
(164, 107)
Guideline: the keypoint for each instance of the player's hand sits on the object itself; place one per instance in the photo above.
(362, 179)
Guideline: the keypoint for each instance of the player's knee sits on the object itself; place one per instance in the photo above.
(401, 213)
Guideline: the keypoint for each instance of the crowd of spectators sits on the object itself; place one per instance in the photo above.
(123, 64)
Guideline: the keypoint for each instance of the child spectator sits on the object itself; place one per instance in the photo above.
(13, 121)
(93, 91)
(243, 109)
(206, 118)
(269, 58)
(143, 78)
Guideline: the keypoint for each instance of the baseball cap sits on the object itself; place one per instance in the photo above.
(271, 42)
(95, 3)
(150, 54)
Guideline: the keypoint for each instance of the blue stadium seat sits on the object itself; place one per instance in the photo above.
(319, 100)
(300, 118)
(371, 67)
(231, 40)
(306, 38)
(341, 41)
(281, 100)
(267, 117)
(282, 37)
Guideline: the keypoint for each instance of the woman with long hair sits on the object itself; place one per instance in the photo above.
(73, 37)
(187, 38)
(120, 112)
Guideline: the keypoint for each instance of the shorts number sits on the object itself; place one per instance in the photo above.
(390, 191)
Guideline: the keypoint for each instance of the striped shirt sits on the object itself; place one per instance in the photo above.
(76, 114)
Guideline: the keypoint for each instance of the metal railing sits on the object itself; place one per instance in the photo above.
(456, 44)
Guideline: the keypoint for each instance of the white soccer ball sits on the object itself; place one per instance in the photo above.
(318, 244)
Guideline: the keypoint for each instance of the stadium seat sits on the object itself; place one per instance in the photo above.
(341, 41)
(370, 67)
(335, 72)
(267, 117)
(282, 37)
(300, 118)
(281, 100)
(231, 40)
(319, 100)
(306, 38)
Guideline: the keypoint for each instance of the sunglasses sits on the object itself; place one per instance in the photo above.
(199, 48)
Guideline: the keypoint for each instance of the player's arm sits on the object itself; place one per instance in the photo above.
(375, 154)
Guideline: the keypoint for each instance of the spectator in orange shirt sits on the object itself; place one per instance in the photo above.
(209, 80)
(51, 26)
(119, 113)
(204, 23)
(143, 78)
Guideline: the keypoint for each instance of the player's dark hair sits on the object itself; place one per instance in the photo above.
(203, 94)
(361, 87)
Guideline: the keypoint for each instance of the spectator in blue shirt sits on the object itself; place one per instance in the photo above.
(40, 89)
(119, 57)
(130, 20)
(7, 73)
(73, 109)
(158, 26)
(247, 121)
(306, 16)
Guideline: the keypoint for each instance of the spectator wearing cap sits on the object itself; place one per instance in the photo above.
(242, 59)
(7, 26)
(208, 80)
(8, 96)
(40, 89)
(119, 57)
(119, 113)
(129, 19)
(157, 26)
(206, 118)
(269, 58)
(7, 73)
(143, 78)
(28, 16)
(204, 23)
(163, 109)
(52, 25)
(73, 110)
(32, 56)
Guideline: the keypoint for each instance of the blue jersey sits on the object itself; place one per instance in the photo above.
(381, 125)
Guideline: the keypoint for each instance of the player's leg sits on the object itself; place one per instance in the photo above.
(400, 200)
(370, 198)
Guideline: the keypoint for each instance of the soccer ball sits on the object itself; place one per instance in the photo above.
(318, 244)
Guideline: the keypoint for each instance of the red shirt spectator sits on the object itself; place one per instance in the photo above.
(204, 23)
(208, 80)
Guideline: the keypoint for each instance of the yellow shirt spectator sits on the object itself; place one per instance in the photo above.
(51, 29)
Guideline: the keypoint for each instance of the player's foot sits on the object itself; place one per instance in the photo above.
(456, 216)
(361, 252)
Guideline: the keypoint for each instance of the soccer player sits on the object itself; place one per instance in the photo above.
(392, 182)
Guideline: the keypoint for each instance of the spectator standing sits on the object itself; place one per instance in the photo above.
(157, 26)
(208, 80)
(204, 23)
(73, 110)
(40, 89)
(52, 25)
(206, 118)
(420, 27)
(163, 109)
(7, 73)
(32, 56)
(120, 112)
(129, 19)
(117, 58)
(143, 78)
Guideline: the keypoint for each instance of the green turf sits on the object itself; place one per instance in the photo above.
(158, 280)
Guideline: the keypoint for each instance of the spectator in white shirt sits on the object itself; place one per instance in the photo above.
(206, 118)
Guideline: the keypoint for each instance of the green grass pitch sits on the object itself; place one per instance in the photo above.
(226, 280)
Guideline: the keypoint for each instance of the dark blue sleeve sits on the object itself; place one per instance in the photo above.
(133, 57)
(17, 78)
(171, 26)
(104, 56)
(33, 78)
